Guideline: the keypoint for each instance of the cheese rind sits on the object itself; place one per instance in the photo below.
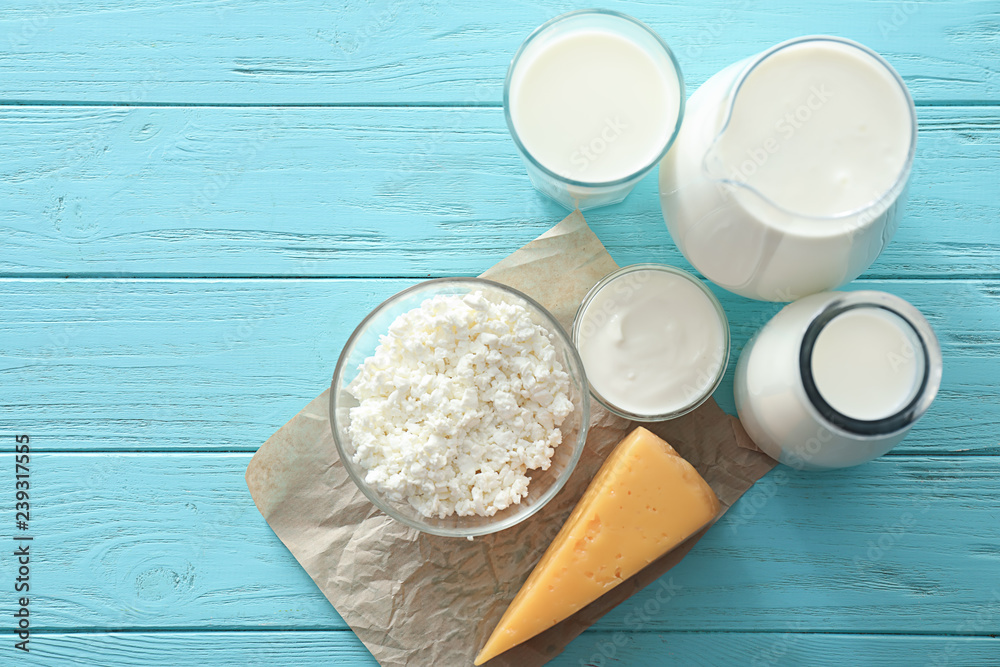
(644, 501)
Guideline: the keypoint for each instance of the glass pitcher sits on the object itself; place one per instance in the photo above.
(765, 206)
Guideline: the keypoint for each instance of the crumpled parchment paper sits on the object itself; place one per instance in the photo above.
(417, 599)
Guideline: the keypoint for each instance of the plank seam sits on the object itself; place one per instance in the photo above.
(589, 631)
(99, 277)
(359, 105)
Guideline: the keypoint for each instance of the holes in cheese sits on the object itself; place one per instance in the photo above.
(644, 501)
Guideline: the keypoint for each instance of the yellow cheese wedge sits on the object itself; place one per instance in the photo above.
(644, 501)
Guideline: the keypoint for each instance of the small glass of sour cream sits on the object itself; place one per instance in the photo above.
(654, 342)
(593, 100)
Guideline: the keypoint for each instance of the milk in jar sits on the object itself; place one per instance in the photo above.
(837, 378)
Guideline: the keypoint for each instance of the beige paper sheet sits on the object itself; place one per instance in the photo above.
(417, 599)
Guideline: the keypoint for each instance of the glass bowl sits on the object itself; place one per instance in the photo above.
(619, 285)
(544, 483)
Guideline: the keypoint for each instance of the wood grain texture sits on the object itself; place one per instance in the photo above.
(433, 51)
(152, 364)
(379, 192)
(594, 649)
(362, 144)
(171, 542)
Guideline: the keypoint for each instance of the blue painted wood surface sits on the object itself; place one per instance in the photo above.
(200, 199)
(379, 191)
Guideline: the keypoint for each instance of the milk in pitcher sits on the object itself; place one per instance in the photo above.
(788, 175)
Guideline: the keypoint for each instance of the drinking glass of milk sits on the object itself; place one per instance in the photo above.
(789, 174)
(593, 100)
(837, 378)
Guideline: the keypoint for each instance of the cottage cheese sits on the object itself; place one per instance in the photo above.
(460, 400)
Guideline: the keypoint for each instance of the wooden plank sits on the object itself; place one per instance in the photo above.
(153, 364)
(792, 649)
(377, 192)
(173, 541)
(595, 649)
(390, 51)
(158, 541)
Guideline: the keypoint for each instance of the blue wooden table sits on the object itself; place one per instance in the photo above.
(200, 199)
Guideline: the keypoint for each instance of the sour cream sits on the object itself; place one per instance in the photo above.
(654, 341)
